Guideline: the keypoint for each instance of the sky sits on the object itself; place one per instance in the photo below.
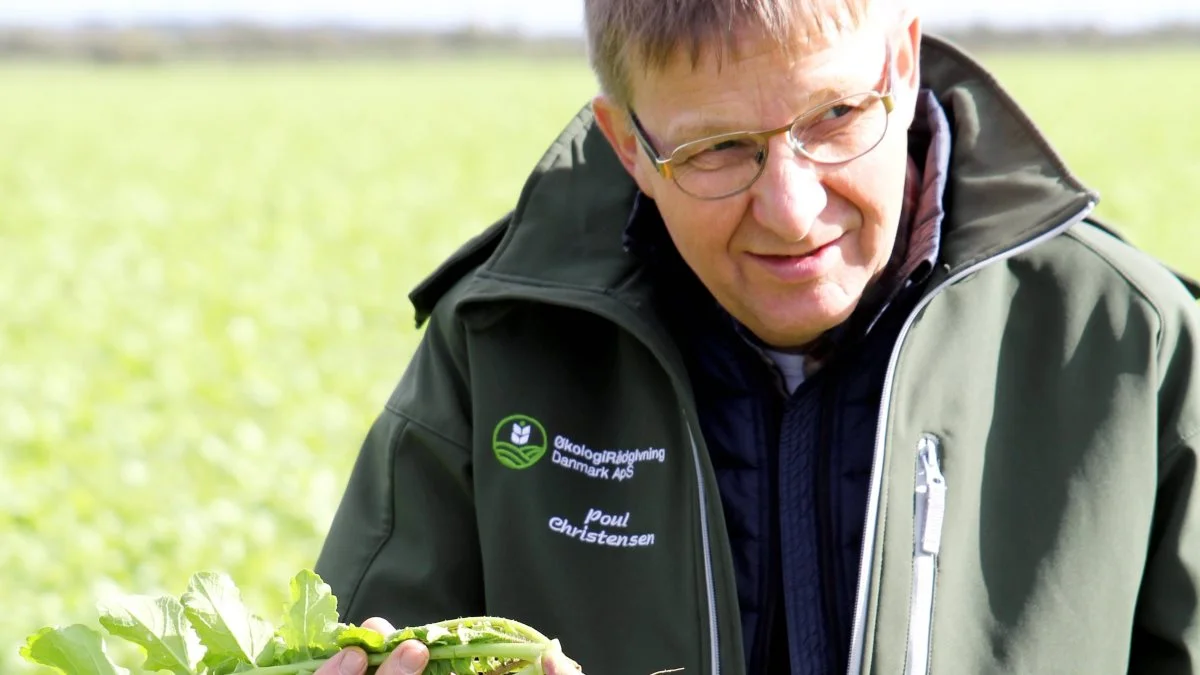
(563, 17)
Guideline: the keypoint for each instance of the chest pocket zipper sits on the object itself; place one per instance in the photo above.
(929, 513)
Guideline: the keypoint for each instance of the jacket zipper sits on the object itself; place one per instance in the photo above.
(766, 647)
(857, 638)
(929, 514)
(832, 595)
(714, 644)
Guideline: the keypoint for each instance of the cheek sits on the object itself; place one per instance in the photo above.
(702, 231)
(875, 240)
(874, 190)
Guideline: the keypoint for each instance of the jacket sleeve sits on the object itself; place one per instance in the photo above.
(403, 543)
(1166, 638)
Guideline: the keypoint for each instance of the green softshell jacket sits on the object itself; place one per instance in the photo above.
(1033, 504)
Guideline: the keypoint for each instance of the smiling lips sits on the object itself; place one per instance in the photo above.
(799, 268)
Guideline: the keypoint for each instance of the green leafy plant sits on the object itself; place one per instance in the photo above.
(209, 631)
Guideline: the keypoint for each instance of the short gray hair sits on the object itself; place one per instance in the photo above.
(623, 34)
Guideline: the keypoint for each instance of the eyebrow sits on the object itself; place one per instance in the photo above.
(694, 128)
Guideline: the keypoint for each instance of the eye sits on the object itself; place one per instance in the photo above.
(723, 153)
(731, 144)
(837, 112)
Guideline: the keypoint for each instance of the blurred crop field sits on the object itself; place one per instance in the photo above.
(204, 269)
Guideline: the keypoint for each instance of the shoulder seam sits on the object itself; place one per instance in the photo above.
(389, 514)
(403, 421)
(1181, 439)
(1188, 282)
(1124, 274)
(394, 409)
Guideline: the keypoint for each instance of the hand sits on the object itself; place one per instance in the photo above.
(411, 657)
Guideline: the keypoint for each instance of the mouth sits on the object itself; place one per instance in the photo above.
(794, 268)
(815, 251)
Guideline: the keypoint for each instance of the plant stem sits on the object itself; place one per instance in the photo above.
(522, 651)
(528, 631)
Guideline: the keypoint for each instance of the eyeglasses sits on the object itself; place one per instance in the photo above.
(833, 133)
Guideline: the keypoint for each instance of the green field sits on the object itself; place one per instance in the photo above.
(204, 272)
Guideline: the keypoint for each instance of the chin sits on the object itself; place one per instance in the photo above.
(796, 325)
(789, 332)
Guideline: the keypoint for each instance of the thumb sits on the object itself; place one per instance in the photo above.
(349, 661)
(554, 662)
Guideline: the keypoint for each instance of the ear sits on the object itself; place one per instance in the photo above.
(904, 35)
(908, 52)
(615, 125)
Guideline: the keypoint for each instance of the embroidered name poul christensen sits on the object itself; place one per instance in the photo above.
(602, 537)
(602, 464)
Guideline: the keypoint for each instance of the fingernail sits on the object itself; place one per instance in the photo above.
(412, 662)
(353, 662)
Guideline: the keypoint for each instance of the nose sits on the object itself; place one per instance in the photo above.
(788, 197)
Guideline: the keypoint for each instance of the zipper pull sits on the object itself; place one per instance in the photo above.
(931, 490)
(929, 512)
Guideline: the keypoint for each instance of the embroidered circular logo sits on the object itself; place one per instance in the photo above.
(519, 441)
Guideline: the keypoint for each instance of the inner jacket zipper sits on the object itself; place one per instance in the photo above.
(929, 505)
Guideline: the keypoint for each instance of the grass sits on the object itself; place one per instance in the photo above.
(1124, 123)
(205, 271)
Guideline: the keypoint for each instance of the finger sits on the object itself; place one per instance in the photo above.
(554, 662)
(349, 661)
(379, 625)
(410, 658)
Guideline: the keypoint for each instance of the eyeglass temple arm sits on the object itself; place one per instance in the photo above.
(661, 165)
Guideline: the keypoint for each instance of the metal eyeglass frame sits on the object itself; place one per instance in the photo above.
(666, 168)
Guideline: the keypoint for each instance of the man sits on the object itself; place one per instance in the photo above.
(866, 392)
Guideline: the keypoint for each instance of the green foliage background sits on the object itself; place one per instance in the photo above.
(204, 270)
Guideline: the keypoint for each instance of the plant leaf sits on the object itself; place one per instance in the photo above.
(213, 605)
(411, 633)
(160, 626)
(437, 635)
(221, 665)
(289, 655)
(371, 641)
(310, 625)
(271, 653)
(74, 650)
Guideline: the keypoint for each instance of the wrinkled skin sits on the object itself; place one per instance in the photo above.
(790, 257)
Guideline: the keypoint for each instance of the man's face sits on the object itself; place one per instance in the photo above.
(791, 256)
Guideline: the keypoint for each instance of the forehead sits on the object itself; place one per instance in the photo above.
(759, 85)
